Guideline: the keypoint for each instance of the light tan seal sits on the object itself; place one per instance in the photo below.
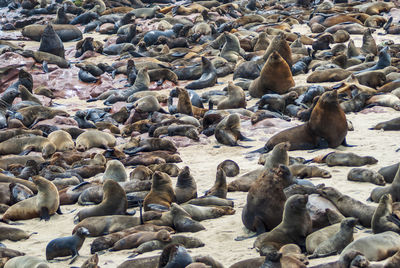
(227, 131)
(135, 240)
(94, 138)
(45, 203)
(381, 220)
(115, 170)
(62, 140)
(18, 145)
(220, 188)
(236, 98)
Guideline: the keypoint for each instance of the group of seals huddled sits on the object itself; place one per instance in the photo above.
(120, 155)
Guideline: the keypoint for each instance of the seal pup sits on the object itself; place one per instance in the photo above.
(348, 159)
(161, 193)
(219, 189)
(114, 202)
(381, 220)
(393, 124)
(26, 262)
(186, 187)
(51, 43)
(135, 240)
(45, 203)
(294, 228)
(230, 167)
(174, 255)
(227, 131)
(336, 243)
(65, 246)
(366, 175)
(208, 77)
(231, 49)
(275, 77)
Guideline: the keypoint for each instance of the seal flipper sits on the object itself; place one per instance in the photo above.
(27, 151)
(258, 225)
(344, 143)
(75, 255)
(59, 210)
(262, 150)
(243, 138)
(393, 218)
(44, 214)
(133, 150)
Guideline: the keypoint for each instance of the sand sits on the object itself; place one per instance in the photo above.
(203, 159)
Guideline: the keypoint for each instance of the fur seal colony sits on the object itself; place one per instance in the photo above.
(144, 121)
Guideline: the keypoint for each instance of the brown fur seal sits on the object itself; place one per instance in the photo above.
(41, 57)
(115, 170)
(185, 188)
(228, 131)
(294, 228)
(336, 243)
(185, 104)
(275, 77)
(31, 115)
(266, 193)
(374, 247)
(316, 238)
(135, 240)
(10, 133)
(329, 75)
(304, 171)
(393, 124)
(348, 206)
(366, 175)
(231, 49)
(114, 202)
(219, 188)
(182, 221)
(51, 42)
(208, 77)
(161, 193)
(316, 131)
(65, 246)
(369, 45)
(62, 140)
(42, 205)
(236, 98)
(12, 234)
(66, 32)
(150, 145)
(280, 45)
(94, 138)
(26, 95)
(381, 220)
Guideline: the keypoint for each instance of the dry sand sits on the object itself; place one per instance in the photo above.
(203, 160)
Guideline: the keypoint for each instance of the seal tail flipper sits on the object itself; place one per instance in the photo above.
(388, 24)
(44, 214)
(92, 100)
(243, 138)
(241, 238)
(59, 210)
(133, 151)
(344, 143)
(262, 150)
(315, 256)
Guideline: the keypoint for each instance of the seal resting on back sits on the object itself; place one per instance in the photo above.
(42, 205)
(327, 127)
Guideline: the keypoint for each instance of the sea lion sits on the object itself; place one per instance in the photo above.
(26, 262)
(208, 77)
(231, 49)
(94, 138)
(365, 175)
(348, 159)
(316, 131)
(31, 115)
(316, 238)
(26, 95)
(185, 104)
(369, 45)
(381, 220)
(304, 171)
(115, 170)
(161, 193)
(280, 45)
(227, 131)
(62, 140)
(275, 76)
(337, 242)
(266, 192)
(185, 188)
(51, 42)
(230, 167)
(374, 247)
(65, 246)
(219, 188)
(182, 221)
(236, 98)
(348, 206)
(42, 205)
(294, 228)
(114, 202)
(135, 240)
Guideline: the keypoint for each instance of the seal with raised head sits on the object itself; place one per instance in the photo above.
(161, 193)
(236, 98)
(65, 246)
(219, 189)
(228, 131)
(208, 77)
(265, 201)
(186, 187)
(115, 170)
(275, 77)
(114, 202)
(294, 228)
(383, 220)
(51, 42)
(42, 205)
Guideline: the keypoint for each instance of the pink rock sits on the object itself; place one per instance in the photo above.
(117, 107)
(107, 28)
